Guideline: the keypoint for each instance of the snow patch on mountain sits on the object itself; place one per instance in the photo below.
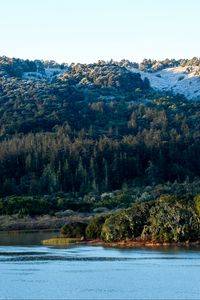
(48, 74)
(53, 72)
(179, 80)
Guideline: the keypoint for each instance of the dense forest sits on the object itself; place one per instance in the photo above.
(76, 129)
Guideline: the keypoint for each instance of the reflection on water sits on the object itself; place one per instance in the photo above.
(86, 272)
(25, 238)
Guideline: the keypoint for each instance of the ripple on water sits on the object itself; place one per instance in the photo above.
(98, 273)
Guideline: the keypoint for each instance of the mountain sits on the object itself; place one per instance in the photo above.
(176, 76)
(84, 128)
(36, 95)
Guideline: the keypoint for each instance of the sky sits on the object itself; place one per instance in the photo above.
(88, 30)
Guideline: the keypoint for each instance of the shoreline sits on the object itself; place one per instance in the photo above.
(137, 243)
(47, 223)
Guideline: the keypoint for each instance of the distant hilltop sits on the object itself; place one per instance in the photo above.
(177, 76)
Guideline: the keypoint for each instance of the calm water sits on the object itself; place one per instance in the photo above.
(85, 272)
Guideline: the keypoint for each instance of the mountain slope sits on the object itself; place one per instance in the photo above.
(94, 127)
(175, 76)
(179, 80)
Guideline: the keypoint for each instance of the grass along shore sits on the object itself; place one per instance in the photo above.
(121, 244)
(61, 241)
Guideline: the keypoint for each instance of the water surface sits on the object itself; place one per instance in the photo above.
(89, 272)
(26, 238)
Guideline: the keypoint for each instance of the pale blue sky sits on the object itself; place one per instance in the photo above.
(88, 30)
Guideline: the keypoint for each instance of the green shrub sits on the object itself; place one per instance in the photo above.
(171, 221)
(197, 204)
(74, 229)
(121, 200)
(127, 224)
(116, 228)
(93, 230)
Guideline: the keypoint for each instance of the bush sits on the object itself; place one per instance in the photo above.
(171, 221)
(93, 230)
(197, 204)
(121, 200)
(116, 228)
(127, 224)
(74, 229)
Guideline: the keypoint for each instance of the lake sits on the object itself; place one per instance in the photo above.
(29, 270)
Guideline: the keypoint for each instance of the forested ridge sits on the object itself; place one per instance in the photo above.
(73, 130)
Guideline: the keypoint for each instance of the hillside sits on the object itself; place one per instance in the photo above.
(178, 80)
(96, 128)
(176, 76)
